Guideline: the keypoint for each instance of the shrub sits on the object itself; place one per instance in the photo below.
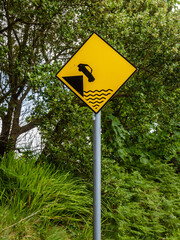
(140, 207)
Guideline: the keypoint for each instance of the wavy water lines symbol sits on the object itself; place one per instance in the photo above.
(96, 97)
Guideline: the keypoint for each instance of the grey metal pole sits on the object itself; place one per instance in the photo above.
(97, 176)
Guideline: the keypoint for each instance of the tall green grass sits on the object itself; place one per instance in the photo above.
(40, 203)
(37, 193)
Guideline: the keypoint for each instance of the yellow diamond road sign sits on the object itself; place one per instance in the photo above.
(96, 72)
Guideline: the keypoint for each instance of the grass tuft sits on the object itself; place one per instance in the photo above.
(34, 192)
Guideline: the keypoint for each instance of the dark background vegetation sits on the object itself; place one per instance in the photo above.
(47, 194)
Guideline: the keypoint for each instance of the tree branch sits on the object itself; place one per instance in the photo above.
(10, 25)
(15, 34)
(25, 93)
(28, 127)
(32, 215)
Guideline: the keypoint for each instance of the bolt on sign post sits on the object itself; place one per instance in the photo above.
(95, 73)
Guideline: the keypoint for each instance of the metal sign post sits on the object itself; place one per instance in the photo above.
(95, 73)
(97, 175)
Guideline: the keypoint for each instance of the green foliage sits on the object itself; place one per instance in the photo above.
(137, 206)
(140, 146)
(29, 191)
(143, 117)
(140, 126)
(141, 189)
(68, 138)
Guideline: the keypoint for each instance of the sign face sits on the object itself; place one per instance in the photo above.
(96, 72)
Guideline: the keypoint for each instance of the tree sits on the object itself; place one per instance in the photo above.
(146, 111)
(37, 37)
(140, 124)
(33, 33)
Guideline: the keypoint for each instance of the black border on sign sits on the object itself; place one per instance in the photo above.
(117, 89)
